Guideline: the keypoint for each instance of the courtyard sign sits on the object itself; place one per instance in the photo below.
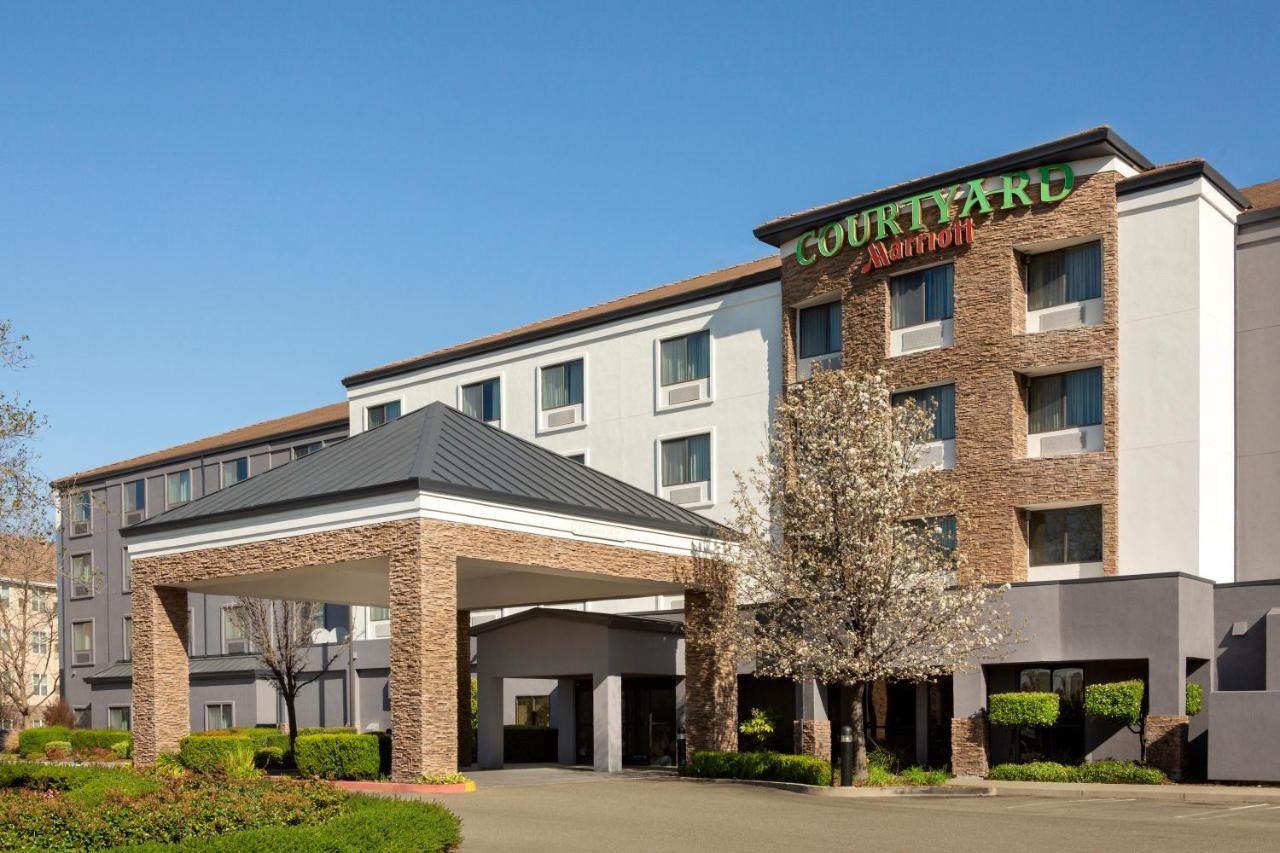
(890, 244)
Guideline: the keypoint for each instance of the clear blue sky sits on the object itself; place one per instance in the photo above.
(209, 215)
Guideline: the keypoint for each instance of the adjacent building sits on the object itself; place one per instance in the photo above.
(1099, 336)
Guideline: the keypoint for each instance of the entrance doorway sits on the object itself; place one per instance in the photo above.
(649, 722)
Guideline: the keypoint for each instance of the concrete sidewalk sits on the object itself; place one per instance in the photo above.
(1207, 794)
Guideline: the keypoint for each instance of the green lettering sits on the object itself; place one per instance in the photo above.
(1010, 189)
(800, 256)
(942, 198)
(886, 223)
(1068, 181)
(828, 229)
(977, 195)
(917, 221)
(851, 228)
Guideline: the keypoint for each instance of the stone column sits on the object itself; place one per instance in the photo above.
(161, 682)
(606, 722)
(490, 721)
(566, 721)
(711, 674)
(1165, 737)
(464, 688)
(969, 745)
(424, 661)
(812, 731)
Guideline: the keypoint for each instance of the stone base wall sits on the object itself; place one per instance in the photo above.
(1165, 738)
(813, 737)
(969, 746)
(464, 688)
(711, 674)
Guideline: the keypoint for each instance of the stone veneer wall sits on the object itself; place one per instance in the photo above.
(813, 737)
(464, 688)
(426, 652)
(1165, 738)
(990, 349)
(969, 746)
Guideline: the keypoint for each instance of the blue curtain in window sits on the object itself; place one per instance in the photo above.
(819, 330)
(699, 458)
(941, 401)
(562, 385)
(1082, 266)
(685, 359)
(491, 405)
(1083, 390)
(937, 292)
(686, 460)
(700, 355)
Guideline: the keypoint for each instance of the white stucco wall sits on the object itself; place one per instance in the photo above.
(1176, 385)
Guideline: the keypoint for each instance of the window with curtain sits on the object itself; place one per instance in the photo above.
(232, 630)
(819, 330)
(481, 400)
(941, 527)
(941, 401)
(379, 614)
(218, 716)
(1067, 275)
(686, 358)
(81, 575)
(1064, 400)
(562, 385)
(921, 297)
(178, 487)
(1070, 535)
(82, 641)
(81, 508)
(686, 460)
(128, 638)
(383, 413)
(235, 470)
(135, 496)
(302, 450)
(120, 718)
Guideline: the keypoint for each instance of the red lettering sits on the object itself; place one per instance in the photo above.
(944, 238)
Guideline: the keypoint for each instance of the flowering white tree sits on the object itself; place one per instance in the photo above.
(841, 550)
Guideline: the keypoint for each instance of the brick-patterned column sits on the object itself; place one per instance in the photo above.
(1166, 741)
(424, 660)
(464, 688)
(161, 685)
(813, 737)
(711, 674)
(969, 746)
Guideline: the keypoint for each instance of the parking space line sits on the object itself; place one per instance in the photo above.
(1222, 812)
(1070, 802)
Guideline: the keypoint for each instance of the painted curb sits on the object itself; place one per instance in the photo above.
(869, 793)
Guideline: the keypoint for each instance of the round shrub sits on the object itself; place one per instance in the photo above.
(1022, 709)
(211, 754)
(1118, 773)
(341, 756)
(1195, 699)
(34, 741)
(1118, 701)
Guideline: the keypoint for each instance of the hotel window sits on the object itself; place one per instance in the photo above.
(39, 643)
(177, 488)
(235, 641)
(83, 717)
(81, 643)
(302, 450)
(684, 369)
(941, 401)
(562, 395)
(127, 638)
(379, 619)
(942, 528)
(120, 718)
(126, 571)
(384, 413)
(1065, 536)
(40, 600)
(580, 458)
(482, 401)
(81, 513)
(1064, 413)
(818, 338)
(218, 716)
(134, 501)
(920, 306)
(533, 711)
(235, 470)
(1067, 275)
(81, 575)
(39, 684)
(686, 469)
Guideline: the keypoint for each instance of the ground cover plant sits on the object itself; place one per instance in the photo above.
(884, 772)
(1112, 772)
(46, 807)
(769, 766)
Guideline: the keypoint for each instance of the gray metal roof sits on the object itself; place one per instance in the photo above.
(199, 667)
(438, 449)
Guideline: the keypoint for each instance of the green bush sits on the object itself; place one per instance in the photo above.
(526, 744)
(58, 749)
(338, 756)
(210, 753)
(33, 741)
(388, 826)
(320, 730)
(770, 766)
(1195, 699)
(268, 756)
(1022, 709)
(1118, 701)
(1112, 772)
(97, 738)
(169, 764)
(123, 749)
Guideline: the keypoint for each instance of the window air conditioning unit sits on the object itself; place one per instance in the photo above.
(804, 367)
(83, 656)
(688, 493)
(563, 416)
(79, 528)
(686, 392)
(133, 517)
(380, 630)
(237, 647)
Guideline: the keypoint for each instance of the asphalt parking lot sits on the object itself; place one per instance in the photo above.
(625, 814)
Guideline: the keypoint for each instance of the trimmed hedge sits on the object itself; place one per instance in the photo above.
(319, 730)
(340, 756)
(1111, 772)
(1022, 709)
(772, 766)
(530, 744)
(1118, 701)
(1195, 699)
(368, 823)
(33, 741)
(98, 738)
(207, 753)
